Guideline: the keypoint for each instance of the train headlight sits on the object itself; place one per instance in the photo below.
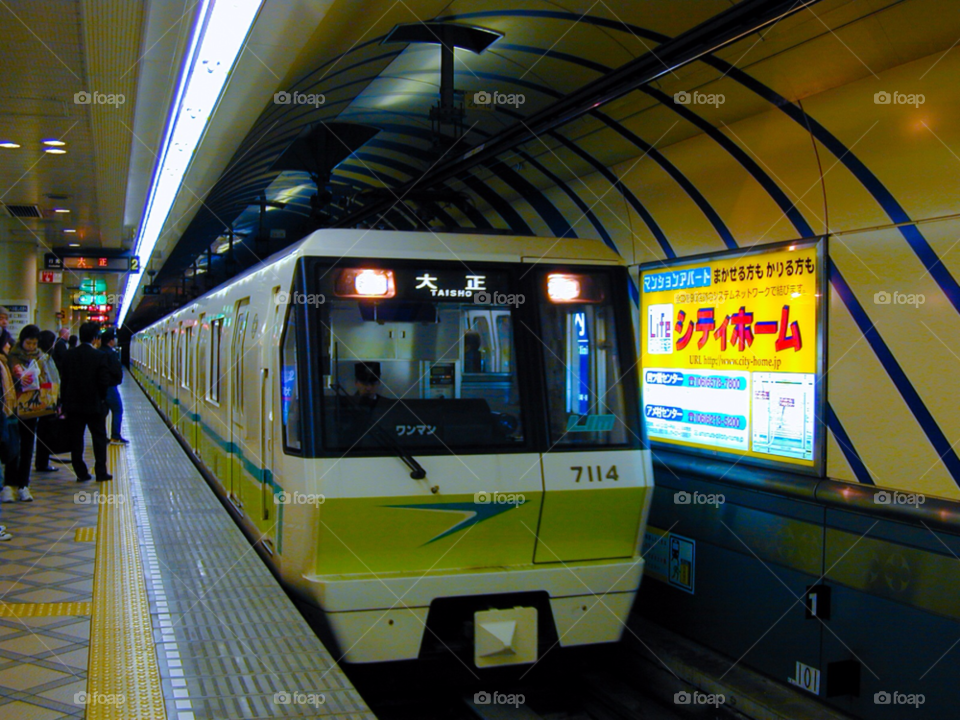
(574, 288)
(366, 283)
(563, 288)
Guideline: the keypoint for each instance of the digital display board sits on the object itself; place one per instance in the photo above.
(732, 353)
(93, 263)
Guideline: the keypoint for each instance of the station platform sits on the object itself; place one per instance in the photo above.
(140, 598)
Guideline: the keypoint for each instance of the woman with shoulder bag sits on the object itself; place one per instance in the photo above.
(24, 366)
(9, 431)
(47, 426)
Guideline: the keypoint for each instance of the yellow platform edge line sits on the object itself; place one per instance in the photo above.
(85, 534)
(26, 610)
(122, 671)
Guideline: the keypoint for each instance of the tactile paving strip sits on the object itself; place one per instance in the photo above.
(85, 534)
(229, 641)
(123, 673)
(25, 610)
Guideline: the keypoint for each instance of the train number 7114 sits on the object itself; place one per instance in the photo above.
(599, 476)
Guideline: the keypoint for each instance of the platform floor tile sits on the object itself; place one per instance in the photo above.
(46, 578)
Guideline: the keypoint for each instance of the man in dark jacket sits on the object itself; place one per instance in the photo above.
(87, 374)
(60, 347)
(108, 346)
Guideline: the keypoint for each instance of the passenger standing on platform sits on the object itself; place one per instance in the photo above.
(17, 476)
(86, 377)
(61, 346)
(4, 321)
(9, 432)
(108, 346)
(45, 424)
(72, 342)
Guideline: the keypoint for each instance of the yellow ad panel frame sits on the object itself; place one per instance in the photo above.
(691, 304)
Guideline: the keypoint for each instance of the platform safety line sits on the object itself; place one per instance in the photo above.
(123, 672)
(85, 534)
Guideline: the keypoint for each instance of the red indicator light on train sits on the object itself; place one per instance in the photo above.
(366, 283)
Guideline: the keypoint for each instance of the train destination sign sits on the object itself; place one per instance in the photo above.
(93, 263)
(732, 353)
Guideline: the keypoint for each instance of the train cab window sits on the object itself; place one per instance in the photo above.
(426, 368)
(289, 387)
(589, 365)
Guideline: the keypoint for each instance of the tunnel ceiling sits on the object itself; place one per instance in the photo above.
(609, 71)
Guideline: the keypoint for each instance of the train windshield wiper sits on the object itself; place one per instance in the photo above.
(416, 469)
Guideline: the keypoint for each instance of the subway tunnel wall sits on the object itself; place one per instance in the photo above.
(834, 163)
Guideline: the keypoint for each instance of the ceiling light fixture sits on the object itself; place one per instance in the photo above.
(54, 142)
(74, 244)
(9, 145)
(219, 31)
(61, 210)
(69, 230)
(55, 151)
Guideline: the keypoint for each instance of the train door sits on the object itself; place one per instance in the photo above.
(268, 375)
(597, 478)
(177, 385)
(167, 372)
(237, 446)
(252, 442)
(201, 410)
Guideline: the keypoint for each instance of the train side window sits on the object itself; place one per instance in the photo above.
(187, 362)
(200, 382)
(589, 368)
(216, 337)
(239, 357)
(289, 387)
(178, 355)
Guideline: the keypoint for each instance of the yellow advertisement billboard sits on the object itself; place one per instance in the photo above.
(732, 352)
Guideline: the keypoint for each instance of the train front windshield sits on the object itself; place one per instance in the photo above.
(426, 359)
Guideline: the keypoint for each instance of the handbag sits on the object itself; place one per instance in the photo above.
(39, 391)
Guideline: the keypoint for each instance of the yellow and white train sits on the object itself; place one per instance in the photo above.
(493, 493)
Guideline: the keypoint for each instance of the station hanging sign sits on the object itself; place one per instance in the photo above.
(732, 354)
(93, 263)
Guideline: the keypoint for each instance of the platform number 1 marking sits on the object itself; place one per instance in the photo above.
(600, 477)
